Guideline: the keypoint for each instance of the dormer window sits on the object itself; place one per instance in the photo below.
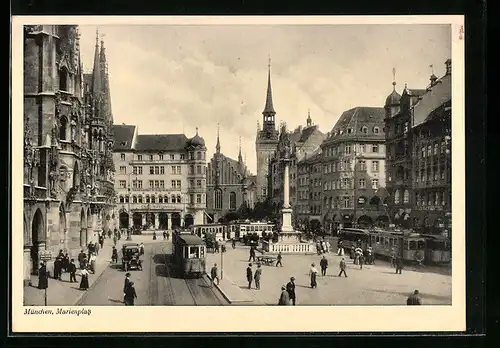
(376, 130)
(364, 129)
(349, 130)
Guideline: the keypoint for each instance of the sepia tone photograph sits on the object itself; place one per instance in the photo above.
(237, 165)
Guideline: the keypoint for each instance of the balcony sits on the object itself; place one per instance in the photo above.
(66, 146)
(151, 189)
(196, 205)
(197, 190)
(38, 192)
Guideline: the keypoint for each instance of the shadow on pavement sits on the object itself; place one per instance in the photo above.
(423, 295)
(160, 259)
(115, 301)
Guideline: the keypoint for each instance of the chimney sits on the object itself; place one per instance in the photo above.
(448, 66)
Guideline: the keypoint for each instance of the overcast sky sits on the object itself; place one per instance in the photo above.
(172, 79)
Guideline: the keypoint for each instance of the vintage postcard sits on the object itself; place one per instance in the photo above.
(222, 167)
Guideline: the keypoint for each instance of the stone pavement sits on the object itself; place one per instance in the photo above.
(64, 293)
(373, 285)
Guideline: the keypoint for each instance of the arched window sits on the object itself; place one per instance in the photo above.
(153, 199)
(63, 128)
(232, 201)
(218, 199)
(179, 200)
(63, 79)
(396, 197)
(147, 199)
(165, 199)
(364, 129)
(127, 199)
(160, 199)
(173, 199)
(139, 199)
(406, 196)
(122, 200)
(376, 130)
(134, 199)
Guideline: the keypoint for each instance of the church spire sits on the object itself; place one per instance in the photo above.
(240, 158)
(393, 79)
(96, 72)
(269, 109)
(217, 146)
(309, 120)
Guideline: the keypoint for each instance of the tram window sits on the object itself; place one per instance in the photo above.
(412, 245)
(377, 239)
(186, 252)
(420, 245)
(203, 230)
(194, 252)
(202, 252)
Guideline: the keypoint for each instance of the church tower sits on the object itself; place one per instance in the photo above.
(266, 140)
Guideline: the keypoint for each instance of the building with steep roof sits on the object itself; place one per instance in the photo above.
(353, 168)
(266, 141)
(160, 179)
(302, 142)
(230, 185)
(418, 157)
(68, 164)
(309, 188)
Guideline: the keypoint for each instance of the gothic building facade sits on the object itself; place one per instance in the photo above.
(230, 186)
(68, 164)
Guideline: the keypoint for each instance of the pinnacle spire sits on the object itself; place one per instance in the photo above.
(269, 97)
(309, 120)
(217, 146)
(240, 159)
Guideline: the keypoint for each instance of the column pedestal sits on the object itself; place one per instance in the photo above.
(157, 221)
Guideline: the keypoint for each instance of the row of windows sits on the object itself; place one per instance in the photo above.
(436, 198)
(153, 184)
(218, 200)
(160, 170)
(429, 150)
(150, 199)
(350, 130)
(351, 148)
(347, 183)
(200, 155)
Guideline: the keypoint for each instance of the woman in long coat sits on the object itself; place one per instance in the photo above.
(130, 294)
(84, 283)
(43, 278)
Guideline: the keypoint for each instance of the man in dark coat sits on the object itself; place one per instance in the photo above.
(249, 275)
(257, 275)
(252, 254)
(324, 265)
(279, 258)
(57, 268)
(72, 271)
(130, 295)
(81, 256)
(414, 299)
(43, 278)
(290, 288)
(101, 241)
(126, 284)
(399, 265)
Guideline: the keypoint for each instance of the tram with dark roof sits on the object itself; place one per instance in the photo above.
(188, 254)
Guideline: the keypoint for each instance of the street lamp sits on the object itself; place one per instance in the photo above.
(129, 236)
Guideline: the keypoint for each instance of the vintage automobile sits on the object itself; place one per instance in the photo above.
(131, 257)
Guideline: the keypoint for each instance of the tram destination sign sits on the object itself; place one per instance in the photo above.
(45, 255)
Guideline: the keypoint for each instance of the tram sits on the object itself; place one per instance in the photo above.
(220, 231)
(253, 228)
(189, 254)
(413, 247)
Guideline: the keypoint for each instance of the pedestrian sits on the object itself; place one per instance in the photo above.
(109, 234)
(399, 265)
(168, 235)
(290, 288)
(357, 254)
(126, 284)
(114, 240)
(340, 248)
(223, 248)
(84, 282)
(249, 275)
(318, 248)
(85, 262)
(154, 235)
(72, 271)
(257, 275)
(43, 277)
(130, 295)
(114, 255)
(284, 297)
(66, 262)
(141, 248)
(361, 261)
(343, 267)
(393, 257)
(323, 246)
(324, 265)
(96, 248)
(214, 274)
(101, 241)
(252, 254)
(92, 261)
(81, 256)
(57, 268)
(414, 300)
(328, 245)
(279, 258)
(164, 235)
(233, 243)
(313, 272)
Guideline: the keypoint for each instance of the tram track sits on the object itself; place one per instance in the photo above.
(199, 296)
(168, 296)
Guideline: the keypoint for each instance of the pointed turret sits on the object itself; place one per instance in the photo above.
(269, 112)
(240, 158)
(96, 71)
(309, 120)
(217, 146)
